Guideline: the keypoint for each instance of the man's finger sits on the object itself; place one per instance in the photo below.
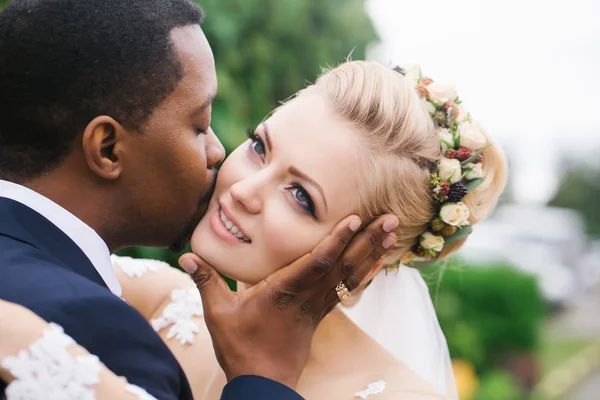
(351, 265)
(311, 268)
(213, 288)
(354, 280)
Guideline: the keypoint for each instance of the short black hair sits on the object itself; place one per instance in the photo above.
(65, 62)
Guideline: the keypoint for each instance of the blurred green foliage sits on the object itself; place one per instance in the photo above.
(499, 385)
(486, 312)
(266, 50)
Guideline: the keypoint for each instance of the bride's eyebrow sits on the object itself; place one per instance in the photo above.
(267, 136)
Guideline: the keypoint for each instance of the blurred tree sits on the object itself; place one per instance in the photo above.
(580, 190)
(266, 50)
(486, 312)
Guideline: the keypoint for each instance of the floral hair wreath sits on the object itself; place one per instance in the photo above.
(458, 172)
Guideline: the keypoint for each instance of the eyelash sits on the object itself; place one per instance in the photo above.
(310, 205)
(255, 140)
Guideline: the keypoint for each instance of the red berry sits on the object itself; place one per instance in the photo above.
(444, 188)
(463, 153)
(451, 153)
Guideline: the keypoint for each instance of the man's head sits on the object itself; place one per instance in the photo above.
(112, 97)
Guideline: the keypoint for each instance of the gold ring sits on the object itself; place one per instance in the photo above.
(342, 291)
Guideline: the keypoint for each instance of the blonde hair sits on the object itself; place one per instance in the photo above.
(404, 149)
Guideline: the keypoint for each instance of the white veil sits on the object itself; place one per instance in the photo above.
(396, 310)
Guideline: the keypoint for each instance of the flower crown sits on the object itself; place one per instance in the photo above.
(458, 172)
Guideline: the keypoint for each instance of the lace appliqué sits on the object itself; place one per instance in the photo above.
(136, 268)
(48, 371)
(371, 390)
(185, 304)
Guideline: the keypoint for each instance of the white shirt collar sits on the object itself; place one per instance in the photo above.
(85, 237)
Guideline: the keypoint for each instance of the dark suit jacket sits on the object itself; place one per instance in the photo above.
(42, 269)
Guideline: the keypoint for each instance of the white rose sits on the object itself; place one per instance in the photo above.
(471, 136)
(462, 114)
(431, 241)
(449, 170)
(412, 72)
(474, 171)
(446, 138)
(440, 93)
(455, 214)
(428, 106)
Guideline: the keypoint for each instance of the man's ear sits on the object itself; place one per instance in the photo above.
(100, 143)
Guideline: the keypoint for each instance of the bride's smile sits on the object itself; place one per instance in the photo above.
(282, 191)
(227, 227)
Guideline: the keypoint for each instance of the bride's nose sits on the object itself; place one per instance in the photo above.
(248, 193)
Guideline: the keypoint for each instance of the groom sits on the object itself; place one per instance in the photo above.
(105, 142)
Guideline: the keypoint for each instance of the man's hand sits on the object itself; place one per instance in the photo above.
(267, 329)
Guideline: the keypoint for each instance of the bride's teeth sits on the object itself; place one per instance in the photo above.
(234, 230)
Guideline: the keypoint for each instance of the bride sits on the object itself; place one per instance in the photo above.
(366, 140)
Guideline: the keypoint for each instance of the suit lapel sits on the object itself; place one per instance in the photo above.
(26, 225)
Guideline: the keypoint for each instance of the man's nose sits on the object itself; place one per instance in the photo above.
(215, 152)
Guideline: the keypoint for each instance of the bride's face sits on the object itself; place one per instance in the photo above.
(282, 191)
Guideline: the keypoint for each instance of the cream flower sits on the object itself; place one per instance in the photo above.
(408, 257)
(474, 171)
(471, 136)
(455, 214)
(446, 138)
(430, 241)
(412, 72)
(463, 114)
(449, 170)
(439, 93)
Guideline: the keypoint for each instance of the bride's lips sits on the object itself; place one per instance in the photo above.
(220, 229)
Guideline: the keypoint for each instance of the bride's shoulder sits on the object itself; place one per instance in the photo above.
(402, 383)
(146, 284)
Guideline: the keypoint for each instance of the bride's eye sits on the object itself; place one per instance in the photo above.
(257, 145)
(302, 198)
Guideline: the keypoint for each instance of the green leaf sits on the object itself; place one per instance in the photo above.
(448, 144)
(472, 185)
(475, 155)
(461, 233)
